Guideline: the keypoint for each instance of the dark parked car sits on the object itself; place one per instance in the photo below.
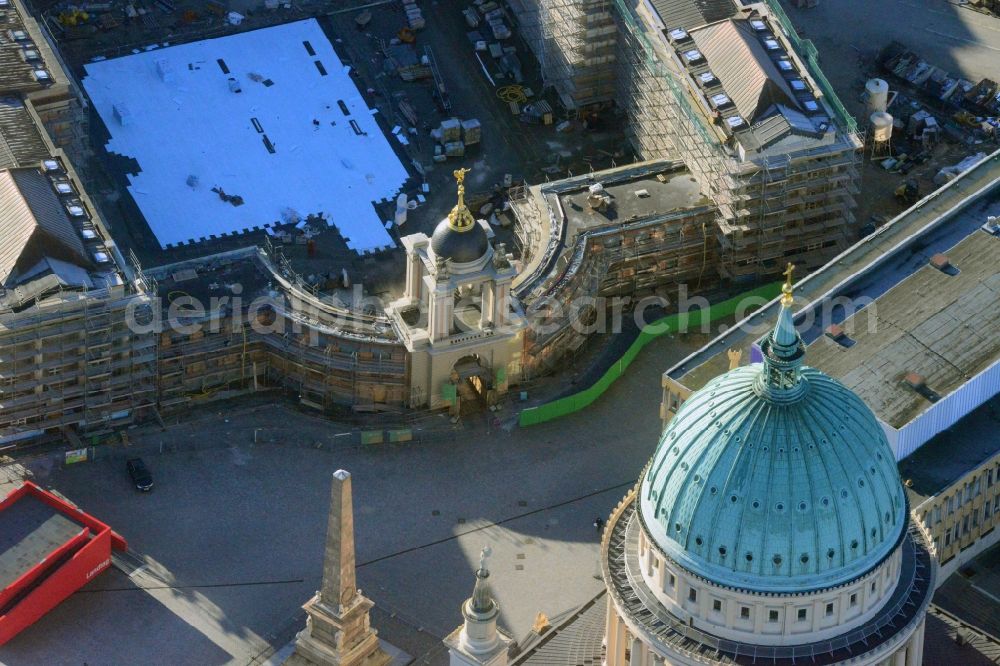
(141, 477)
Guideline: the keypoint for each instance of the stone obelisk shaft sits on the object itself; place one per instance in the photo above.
(338, 631)
(339, 580)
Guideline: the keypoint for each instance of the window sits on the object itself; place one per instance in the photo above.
(716, 605)
(873, 587)
(829, 610)
(692, 594)
(772, 616)
(854, 599)
(673, 580)
(802, 615)
(744, 613)
(947, 538)
(986, 512)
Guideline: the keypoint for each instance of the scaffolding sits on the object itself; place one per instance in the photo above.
(75, 361)
(574, 42)
(771, 209)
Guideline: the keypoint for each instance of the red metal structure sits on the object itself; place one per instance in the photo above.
(48, 550)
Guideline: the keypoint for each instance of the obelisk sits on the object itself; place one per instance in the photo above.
(338, 631)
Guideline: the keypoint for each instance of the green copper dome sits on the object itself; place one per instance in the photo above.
(774, 477)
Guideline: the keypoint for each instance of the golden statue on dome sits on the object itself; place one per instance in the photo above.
(786, 289)
(460, 218)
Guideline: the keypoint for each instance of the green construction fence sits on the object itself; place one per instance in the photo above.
(669, 324)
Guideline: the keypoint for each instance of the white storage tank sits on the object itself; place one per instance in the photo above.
(881, 127)
(878, 95)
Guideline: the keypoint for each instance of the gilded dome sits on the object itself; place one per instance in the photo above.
(774, 477)
(459, 245)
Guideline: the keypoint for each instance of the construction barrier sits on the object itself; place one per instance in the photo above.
(674, 323)
(372, 437)
(401, 435)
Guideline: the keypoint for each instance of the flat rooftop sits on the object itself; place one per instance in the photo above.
(953, 453)
(271, 116)
(29, 531)
(869, 268)
(939, 324)
(634, 196)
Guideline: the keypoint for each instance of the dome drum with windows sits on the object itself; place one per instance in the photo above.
(775, 477)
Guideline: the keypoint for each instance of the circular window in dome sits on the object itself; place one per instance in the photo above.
(878, 454)
(812, 446)
(871, 470)
(854, 544)
(698, 541)
(722, 551)
(803, 506)
(676, 450)
(713, 490)
(749, 557)
(804, 559)
(673, 434)
(781, 451)
(737, 438)
(697, 478)
(795, 450)
(684, 466)
(777, 560)
(824, 441)
(830, 553)
(712, 413)
(765, 449)
(874, 532)
(677, 527)
(755, 504)
(843, 493)
(887, 516)
(779, 507)
(733, 498)
(718, 424)
(861, 483)
(825, 501)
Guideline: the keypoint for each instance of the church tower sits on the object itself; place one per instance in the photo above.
(457, 316)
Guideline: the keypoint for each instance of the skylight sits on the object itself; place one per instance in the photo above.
(720, 99)
(692, 55)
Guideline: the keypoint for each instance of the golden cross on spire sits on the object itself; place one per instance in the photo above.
(460, 219)
(786, 289)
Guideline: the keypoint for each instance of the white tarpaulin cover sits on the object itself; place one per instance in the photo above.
(194, 128)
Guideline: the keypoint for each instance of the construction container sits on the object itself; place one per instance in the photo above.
(472, 131)
(451, 130)
(454, 149)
